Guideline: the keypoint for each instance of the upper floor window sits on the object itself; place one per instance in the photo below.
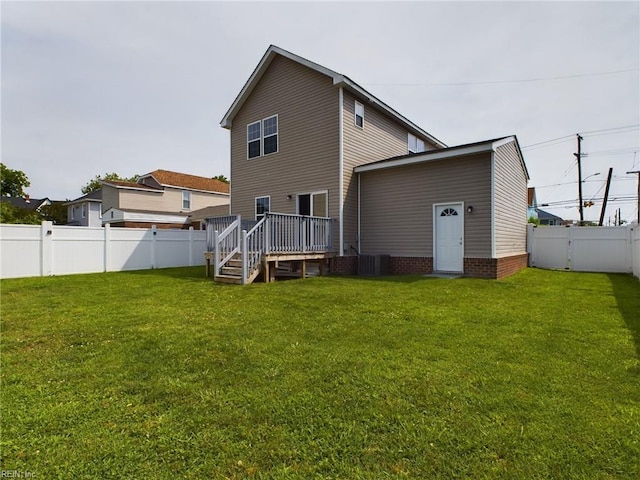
(186, 200)
(254, 137)
(262, 206)
(270, 132)
(262, 137)
(415, 144)
(359, 114)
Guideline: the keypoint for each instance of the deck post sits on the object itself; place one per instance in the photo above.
(216, 253)
(267, 231)
(244, 254)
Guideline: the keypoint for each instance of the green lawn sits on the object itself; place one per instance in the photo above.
(163, 374)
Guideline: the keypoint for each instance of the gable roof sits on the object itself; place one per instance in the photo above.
(167, 178)
(544, 215)
(27, 203)
(443, 153)
(338, 79)
(95, 196)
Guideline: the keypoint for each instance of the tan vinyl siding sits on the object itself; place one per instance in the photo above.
(169, 200)
(397, 205)
(307, 160)
(510, 202)
(381, 137)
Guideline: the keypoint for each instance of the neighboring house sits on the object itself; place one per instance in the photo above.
(307, 140)
(532, 203)
(197, 218)
(547, 218)
(85, 211)
(162, 198)
(27, 203)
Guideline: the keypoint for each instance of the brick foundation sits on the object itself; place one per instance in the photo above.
(411, 265)
(495, 267)
(345, 265)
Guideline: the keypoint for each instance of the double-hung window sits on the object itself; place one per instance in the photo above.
(262, 137)
(84, 210)
(262, 206)
(359, 109)
(254, 138)
(415, 144)
(186, 200)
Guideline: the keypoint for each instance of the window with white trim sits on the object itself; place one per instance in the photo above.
(270, 135)
(262, 137)
(186, 200)
(254, 138)
(84, 210)
(415, 144)
(359, 114)
(262, 206)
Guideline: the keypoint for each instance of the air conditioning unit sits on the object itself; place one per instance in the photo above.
(374, 265)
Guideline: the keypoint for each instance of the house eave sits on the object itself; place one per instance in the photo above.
(338, 80)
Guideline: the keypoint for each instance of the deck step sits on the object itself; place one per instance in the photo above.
(222, 278)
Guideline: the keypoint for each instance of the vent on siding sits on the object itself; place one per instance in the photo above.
(374, 265)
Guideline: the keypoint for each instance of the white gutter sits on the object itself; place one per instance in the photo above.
(341, 170)
(493, 204)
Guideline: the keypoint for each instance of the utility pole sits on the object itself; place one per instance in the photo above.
(578, 156)
(637, 172)
(606, 197)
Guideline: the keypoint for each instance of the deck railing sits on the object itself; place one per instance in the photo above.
(275, 233)
(298, 234)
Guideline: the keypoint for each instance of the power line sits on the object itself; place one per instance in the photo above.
(494, 82)
(604, 131)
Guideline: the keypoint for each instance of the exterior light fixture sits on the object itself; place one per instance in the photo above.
(470, 209)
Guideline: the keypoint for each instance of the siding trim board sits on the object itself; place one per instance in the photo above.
(341, 170)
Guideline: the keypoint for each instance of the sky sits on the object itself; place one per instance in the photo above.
(131, 87)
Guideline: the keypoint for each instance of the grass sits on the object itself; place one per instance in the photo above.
(162, 374)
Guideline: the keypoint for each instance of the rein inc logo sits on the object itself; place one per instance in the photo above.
(16, 474)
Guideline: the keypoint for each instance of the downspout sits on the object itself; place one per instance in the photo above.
(359, 246)
(493, 204)
(341, 172)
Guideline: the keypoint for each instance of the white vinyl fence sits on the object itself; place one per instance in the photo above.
(47, 249)
(585, 249)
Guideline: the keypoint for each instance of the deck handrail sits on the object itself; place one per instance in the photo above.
(226, 244)
(253, 247)
(217, 223)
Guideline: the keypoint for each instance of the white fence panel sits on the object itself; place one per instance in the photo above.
(76, 250)
(549, 247)
(601, 249)
(35, 250)
(585, 249)
(130, 249)
(20, 252)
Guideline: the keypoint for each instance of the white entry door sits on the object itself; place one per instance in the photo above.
(448, 237)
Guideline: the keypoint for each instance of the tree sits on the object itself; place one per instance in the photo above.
(12, 214)
(56, 213)
(94, 184)
(13, 182)
(222, 178)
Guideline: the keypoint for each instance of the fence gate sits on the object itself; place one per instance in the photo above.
(582, 249)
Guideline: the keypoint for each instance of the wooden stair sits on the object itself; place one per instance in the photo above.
(232, 272)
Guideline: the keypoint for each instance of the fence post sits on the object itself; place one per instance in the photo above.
(154, 233)
(191, 246)
(46, 249)
(244, 255)
(107, 247)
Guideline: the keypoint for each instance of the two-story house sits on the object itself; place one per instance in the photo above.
(310, 141)
(163, 198)
(85, 211)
